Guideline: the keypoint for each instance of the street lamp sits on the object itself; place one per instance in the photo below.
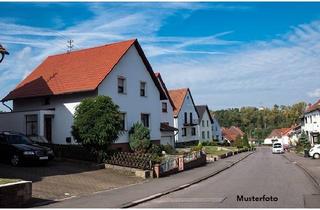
(3, 52)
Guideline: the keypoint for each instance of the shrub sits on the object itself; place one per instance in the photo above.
(96, 124)
(209, 143)
(139, 138)
(197, 148)
(168, 149)
(155, 149)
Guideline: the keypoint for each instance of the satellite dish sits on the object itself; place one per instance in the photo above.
(3, 52)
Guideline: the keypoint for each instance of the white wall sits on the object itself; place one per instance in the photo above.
(64, 106)
(204, 127)
(188, 107)
(216, 130)
(167, 116)
(133, 69)
(311, 123)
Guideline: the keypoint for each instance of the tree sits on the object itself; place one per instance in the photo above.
(139, 138)
(97, 124)
(303, 141)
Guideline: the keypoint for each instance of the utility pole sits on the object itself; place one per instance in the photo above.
(70, 45)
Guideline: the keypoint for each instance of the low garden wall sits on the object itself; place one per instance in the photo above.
(15, 194)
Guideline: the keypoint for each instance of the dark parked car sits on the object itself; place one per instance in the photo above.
(18, 148)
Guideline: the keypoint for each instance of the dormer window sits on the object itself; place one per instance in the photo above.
(122, 85)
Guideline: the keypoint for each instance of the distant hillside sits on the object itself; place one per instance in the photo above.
(259, 122)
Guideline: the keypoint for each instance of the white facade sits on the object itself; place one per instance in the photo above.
(167, 137)
(187, 127)
(311, 126)
(216, 130)
(205, 128)
(62, 119)
(130, 67)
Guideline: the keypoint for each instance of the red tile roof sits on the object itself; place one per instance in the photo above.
(232, 133)
(177, 97)
(313, 107)
(278, 133)
(76, 71)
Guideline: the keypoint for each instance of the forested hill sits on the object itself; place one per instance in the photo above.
(259, 122)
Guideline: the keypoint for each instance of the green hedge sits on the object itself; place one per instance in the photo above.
(72, 151)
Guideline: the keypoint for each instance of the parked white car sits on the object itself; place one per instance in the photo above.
(315, 151)
(277, 147)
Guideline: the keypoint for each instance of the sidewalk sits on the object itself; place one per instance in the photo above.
(134, 194)
(311, 166)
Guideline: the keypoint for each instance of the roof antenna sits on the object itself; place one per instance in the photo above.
(70, 45)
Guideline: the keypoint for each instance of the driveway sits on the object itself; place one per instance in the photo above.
(61, 180)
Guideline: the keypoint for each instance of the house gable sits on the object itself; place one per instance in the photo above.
(77, 71)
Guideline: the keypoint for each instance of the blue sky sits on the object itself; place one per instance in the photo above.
(229, 54)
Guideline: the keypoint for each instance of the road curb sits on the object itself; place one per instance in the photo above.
(157, 195)
(312, 177)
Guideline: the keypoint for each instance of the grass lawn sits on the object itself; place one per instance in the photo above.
(213, 150)
(6, 181)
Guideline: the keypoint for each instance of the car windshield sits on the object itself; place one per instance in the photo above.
(18, 139)
(277, 146)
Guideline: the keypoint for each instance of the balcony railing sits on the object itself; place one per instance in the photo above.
(192, 123)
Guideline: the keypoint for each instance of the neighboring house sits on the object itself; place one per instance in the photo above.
(44, 102)
(205, 123)
(186, 118)
(167, 107)
(311, 122)
(231, 134)
(278, 135)
(294, 135)
(216, 130)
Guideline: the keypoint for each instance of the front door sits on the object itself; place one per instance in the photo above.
(48, 128)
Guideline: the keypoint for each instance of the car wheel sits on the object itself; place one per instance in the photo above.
(15, 160)
(316, 156)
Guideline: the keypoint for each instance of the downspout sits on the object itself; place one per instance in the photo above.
(3, 103)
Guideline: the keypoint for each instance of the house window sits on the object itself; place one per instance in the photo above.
(190, 117)
(123, 121)
(207, 123)
(145, 120)
(164, 107)
(193, 131)
(32, 125)
(185, 118)
(184, 132)
(203, 135)
(121, 85)
(208, 134)
(143, 87)
(202, 123)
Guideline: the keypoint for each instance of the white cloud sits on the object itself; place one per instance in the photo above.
(277, 71)
(315, 93)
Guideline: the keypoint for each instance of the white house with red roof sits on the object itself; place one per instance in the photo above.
(167, 125)
(279, 135)
(311, 122)
(186, 117)
(45, 101)
(205, 123)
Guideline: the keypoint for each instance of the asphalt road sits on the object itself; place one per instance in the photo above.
(261, 174)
